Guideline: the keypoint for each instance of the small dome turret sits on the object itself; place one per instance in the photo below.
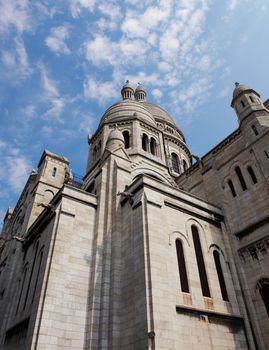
(127, 92)
(115, 139)
(140, 93)
(245, 101)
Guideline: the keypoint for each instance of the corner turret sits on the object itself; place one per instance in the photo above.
(245, 101)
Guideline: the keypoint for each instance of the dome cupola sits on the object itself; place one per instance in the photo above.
(127, 92)
(245, 101)
(140, 93)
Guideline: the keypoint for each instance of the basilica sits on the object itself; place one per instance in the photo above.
(154, 249)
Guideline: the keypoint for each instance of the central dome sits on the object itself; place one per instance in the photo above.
(158, 112)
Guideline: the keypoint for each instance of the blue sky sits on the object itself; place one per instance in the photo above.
(62, 63)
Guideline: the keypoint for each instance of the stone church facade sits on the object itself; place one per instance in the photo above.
(150, 251)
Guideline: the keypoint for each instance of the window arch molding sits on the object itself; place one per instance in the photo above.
(173, 236)
(217, 247)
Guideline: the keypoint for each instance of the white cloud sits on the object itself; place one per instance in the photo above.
(15, 167)
(78, 5)
(14, 14)
(51, 96)
(100, 91)
(233, 4)
(16, 60)
(157, 93)
(56, 40)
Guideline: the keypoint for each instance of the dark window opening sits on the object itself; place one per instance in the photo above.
(242, 103)
(95, 153)
(182, 267)
(220, 276)
(252, 175)
(200, 262)
(54, 172)
(264, 292)
(90, 189)
(126, 137)
(153, 146)
(185, 165)
(266, 153)
(255, 130)
(31, 275)
(251, 99)
(37, 274)
(175, 163)
(231, 185)
(241, 178)
(22, 288)
(145, 142)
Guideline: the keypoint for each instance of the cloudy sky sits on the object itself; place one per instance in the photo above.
(62, 63)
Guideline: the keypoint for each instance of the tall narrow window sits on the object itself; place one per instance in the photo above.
(200, 261)
(22, 286)
(241, 178)
(264, 291)
(54, 172)
(251, 99)
(153, 146)
(182, 267)
(99, 147)
(231, 186)
(253, 127)
(185, 165)
(145, 142)
(252, 174)
(37, 274)
(220, 276)
(95, 153)
(31, 274)
(126, 137)
(242, 103)
(175, 163)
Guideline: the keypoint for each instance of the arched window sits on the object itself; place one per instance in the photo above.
(38, 271)
(220, 276)
(145, 142)
(126, 137)
(95, 152)
(252, 175)
(54, 172)
(185, 165)
(264, 292)
(153, 146)
(175, 162)
(182, 267)
(253, 127)
(22, 286)
(231, 185)
(200, 261)
(31, 275)
(241, 178)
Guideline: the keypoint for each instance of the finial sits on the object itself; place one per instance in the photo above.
(236, 83)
